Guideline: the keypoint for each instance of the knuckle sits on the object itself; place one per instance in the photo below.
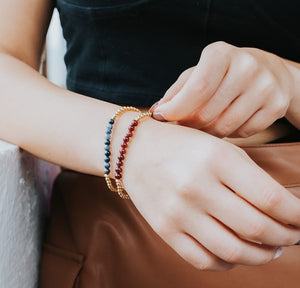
(268, 85)
(219, 47)
(219, 131)
(185, 73)
(205, 116)
(202, 87)
(249, 65)
(224, 128)
(247, 132)
(186, 192)
(233, 254)
(172, 215)
(172, 211)
(244, 133)
(280, 107)
(255, 230)
(270, 199)
(268, 89)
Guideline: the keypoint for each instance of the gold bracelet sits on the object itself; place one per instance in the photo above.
(107, 144)
(118, 172)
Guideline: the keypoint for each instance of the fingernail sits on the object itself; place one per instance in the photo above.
(158, 116)
(153, 107)
(278, 253)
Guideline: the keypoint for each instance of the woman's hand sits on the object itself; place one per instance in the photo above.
(206, 198)
(233, 91)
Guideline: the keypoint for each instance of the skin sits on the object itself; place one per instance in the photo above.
(233, 92)
(194, 196)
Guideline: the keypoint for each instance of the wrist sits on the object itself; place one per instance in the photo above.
(141, 151)
(109, 154)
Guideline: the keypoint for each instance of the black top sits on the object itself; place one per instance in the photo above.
(129, 52)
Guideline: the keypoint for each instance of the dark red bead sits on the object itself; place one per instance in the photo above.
(119, 163)
(126, 139)
(124, 145)
(118, 176)
(121, 157)
(123, 151)
(131, 128)
(135, 122)
(118, 170)
(129, 134)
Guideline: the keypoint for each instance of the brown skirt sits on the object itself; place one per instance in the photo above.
(95, 239)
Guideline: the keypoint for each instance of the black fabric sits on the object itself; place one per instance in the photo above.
(129, 52)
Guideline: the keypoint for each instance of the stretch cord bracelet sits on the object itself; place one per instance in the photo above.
(118, 171)
(107, 144)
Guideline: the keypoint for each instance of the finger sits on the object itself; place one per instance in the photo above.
(233, 85)
(201, 85)
(237, 114)
(223, 243)
(253, 184)
(171, 92)
(251, 224)
(260, 121)
(177, 86)
(194, 253)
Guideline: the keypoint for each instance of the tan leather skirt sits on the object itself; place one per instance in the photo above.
(95, 239)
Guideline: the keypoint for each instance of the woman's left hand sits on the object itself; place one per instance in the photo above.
(232, 91)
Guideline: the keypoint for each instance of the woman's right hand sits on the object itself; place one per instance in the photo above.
(207, 199)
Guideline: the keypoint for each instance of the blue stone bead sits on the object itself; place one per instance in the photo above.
(107, 166)
(107, 142)
(108, 131)
(107, 147)
(108, 136)
(107, 153)
(111, 121)
(109, 126)
(106, 159)
(106, 171)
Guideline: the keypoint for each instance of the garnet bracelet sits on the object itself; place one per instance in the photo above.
(118, 171)
(107, 152)
(107, 143)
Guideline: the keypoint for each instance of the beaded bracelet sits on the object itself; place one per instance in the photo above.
(107, 143)
(118, 175)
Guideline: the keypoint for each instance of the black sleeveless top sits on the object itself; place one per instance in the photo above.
(129, 52)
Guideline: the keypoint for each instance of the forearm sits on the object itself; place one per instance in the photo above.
(52, 123)
(293, 113)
